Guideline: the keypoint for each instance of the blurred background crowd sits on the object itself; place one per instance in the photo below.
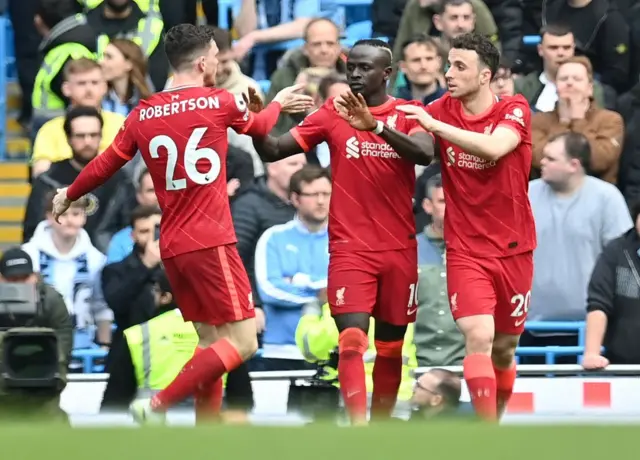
(74, 69)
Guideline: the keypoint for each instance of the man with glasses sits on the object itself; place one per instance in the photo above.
(291, 264)
(436, 393)
(83, 129)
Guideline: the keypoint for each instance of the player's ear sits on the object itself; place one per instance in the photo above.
(485, 76)
(387, 73)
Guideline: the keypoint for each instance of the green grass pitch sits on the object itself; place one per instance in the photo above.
(464, 441)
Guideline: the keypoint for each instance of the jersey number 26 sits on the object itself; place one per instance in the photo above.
(192, 154)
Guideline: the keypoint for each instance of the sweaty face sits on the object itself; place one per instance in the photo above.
(572, 80)
(367, 69)
(556, 167)
(146, 194)
(71, 222)
(114, 64)
(87, 88)
(555, 50)
(312, 203)
(226, 63)
(322, 46)
(456, 20)
(421, 64)
(85, 138)
(465, 73)
(209, 65)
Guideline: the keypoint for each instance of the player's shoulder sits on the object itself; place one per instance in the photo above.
(443, 103)
(517, 100)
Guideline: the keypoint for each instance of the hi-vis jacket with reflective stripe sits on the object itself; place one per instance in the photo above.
(147, 36)
(159, 349)
(317, 336)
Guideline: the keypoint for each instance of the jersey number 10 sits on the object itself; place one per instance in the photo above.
(192, 154)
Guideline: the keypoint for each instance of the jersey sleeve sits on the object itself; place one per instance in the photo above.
(313, 129)
(516, 115)
(237, 113)
(125, 144)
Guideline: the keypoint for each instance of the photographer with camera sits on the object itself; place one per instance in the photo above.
(36, 339)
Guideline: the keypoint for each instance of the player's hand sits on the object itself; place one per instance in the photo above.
(593, 361)
(60, 203)
(261, 321)
(253, 101)
(151, 255)
(293, 102)
(419, 114)
(356, 112)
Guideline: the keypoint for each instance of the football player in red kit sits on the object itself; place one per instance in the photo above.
(485, 151)
(181, 134)
(373, 264)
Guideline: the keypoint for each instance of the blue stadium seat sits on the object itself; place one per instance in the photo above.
(89, 359)
(551, 353)
(531, 40)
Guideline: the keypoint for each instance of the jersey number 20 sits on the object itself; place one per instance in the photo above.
(192, 154)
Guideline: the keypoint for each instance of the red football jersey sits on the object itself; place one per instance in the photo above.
(371, 205)
(488, 212)
(182, 136)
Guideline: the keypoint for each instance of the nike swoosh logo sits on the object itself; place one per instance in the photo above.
(519, 323)
(411, 312)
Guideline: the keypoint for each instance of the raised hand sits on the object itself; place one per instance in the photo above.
(355, 111)
(293, 102)
(253, 101)
(60, 203)
(418, 113)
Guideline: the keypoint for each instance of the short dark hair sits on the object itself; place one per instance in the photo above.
(432, 183)
(223, 40)
(557, 30)
(306, 175)
(52, 12)
(375, 43)
(421, 39)
(487, 52)
(82, 202)
(184, 42)
(441, 6)
(305, 33)
(77, 112)
(449, 387)
(328, 81)
(143, 212)
(576, 146)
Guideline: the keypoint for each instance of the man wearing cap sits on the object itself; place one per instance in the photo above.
(16, 267)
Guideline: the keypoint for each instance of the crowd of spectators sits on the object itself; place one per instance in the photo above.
(581, 81)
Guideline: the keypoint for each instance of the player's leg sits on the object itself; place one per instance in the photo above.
(513, 279)
(208, 396)
(472, 300)
(351, 290)
(227, 326)
(395, 308)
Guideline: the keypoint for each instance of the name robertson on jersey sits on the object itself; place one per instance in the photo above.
(173, 108)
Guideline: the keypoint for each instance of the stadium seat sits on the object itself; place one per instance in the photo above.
(551, 353)
(531, 40)
(89, 359)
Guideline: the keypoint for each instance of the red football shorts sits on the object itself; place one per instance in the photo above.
(211, 285)
(500, 287)
(382, 284)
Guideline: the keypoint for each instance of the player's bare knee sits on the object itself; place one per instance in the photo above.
(504, 350)
(242, 335)
(207, 334)
(478, 333)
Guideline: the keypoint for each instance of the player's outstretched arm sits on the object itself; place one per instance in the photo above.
(272, 148)
(490, 147)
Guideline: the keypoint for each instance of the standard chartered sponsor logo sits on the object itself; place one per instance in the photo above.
(466, 160)
(356, 149)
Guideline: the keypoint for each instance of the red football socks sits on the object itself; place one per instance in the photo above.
(481, 381)
(208, 398)
(203, 369)
(505, 379)
(352, 345)
(387, 374)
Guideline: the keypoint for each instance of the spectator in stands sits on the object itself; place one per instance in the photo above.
(421, 64)
(444, 18)
(576, 215)
(436, 393)
(229, 75)
(613, 302)
(125, 69)
(127, 286)
(262, 206)
(64, 257)
(321, 49)
(291, 264)
(121, 243)
(83, 127)
(16, 266)
(269, 21)
(629, 171)
(602, 34)
(124, 19)
(576, 112)
(436, 337)
(503, 83)
(66, 35)
(557, 45)
(84, 85)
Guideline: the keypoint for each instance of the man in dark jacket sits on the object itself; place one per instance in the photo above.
(16, 266)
